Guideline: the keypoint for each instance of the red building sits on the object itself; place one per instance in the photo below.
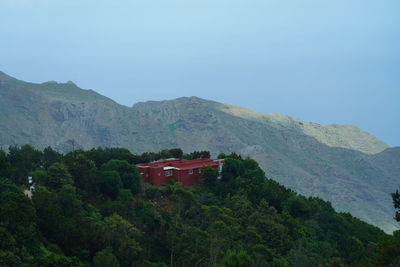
(184, 171)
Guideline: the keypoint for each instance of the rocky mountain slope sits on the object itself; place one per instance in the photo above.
(340, 163)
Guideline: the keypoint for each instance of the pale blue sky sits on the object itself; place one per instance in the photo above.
(323, 61)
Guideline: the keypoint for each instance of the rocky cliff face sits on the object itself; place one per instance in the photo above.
(340, 163)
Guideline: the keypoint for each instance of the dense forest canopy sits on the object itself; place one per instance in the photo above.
(91, 208)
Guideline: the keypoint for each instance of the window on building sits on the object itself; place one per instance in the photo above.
(159, 174)
(199, 170)
(168, 173)
(190, 171)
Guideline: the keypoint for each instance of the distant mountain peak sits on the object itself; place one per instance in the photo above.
(51, 82)
(3, 74)
(6, 78)
(333, 135)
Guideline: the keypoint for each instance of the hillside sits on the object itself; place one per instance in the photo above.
(340, 163)
(112, 218)
(334, 135)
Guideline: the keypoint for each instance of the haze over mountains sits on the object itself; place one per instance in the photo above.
(339, 163)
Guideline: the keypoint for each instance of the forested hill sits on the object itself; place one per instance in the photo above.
(340, 163)
(91, 208)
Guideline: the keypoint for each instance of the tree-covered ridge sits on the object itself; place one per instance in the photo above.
(91, 208)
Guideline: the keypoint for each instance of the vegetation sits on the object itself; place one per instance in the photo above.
(342, 164)
(91, 208)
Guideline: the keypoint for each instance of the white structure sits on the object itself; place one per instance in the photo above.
(29, 191)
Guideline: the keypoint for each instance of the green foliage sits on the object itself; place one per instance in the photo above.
(163, 154)
(388, 253)
(50, 157)
(18, 226)
(40, 176)
(47, 209)
(122, 237)
(105, 258)
(4, 164)
(9, 259)
(396, 204)
(236, 259)
(197, 155)
(58, 176)
(23, 160)
(59, 261)
(86, 175)
(17, 214)
(171, 153)
(209, 177)
(298, 206)
(110, 183)
(89, 208)
(103, 155)
(232, 168)
(129, 174)
(221, 156)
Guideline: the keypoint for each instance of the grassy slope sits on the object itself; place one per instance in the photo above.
(334, 135)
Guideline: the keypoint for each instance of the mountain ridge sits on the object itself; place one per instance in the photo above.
(289, 150)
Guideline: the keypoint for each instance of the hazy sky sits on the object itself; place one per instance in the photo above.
(323, 61)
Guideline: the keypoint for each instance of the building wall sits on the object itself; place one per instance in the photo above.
(189, 179)
(156, 175)
(144, 172)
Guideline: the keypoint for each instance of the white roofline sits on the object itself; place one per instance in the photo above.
(169, 168)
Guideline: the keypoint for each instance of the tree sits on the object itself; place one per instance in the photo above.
(4, 164)
(50, 156)
(209, 177)
(9, 259)
(389, 252)
(198, 154)
(236, 259)
(121, 236)
(40, 177)
(298, 206)
(221, 155)
(105, 258)
(58, 176)
(110, 183)
(17, 214)
(8, 249)
(49, 213)
(103, 155)
(231, 169)
(23, 159)
(176, 153)
(128, 173)
(396, 203)
(59, 261)
(123, 205)
(85, 174)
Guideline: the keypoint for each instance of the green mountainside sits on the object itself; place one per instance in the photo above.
(339, 163)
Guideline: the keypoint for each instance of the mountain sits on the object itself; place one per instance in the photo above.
(339, 163)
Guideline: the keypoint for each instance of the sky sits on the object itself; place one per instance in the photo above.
(322, 61)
